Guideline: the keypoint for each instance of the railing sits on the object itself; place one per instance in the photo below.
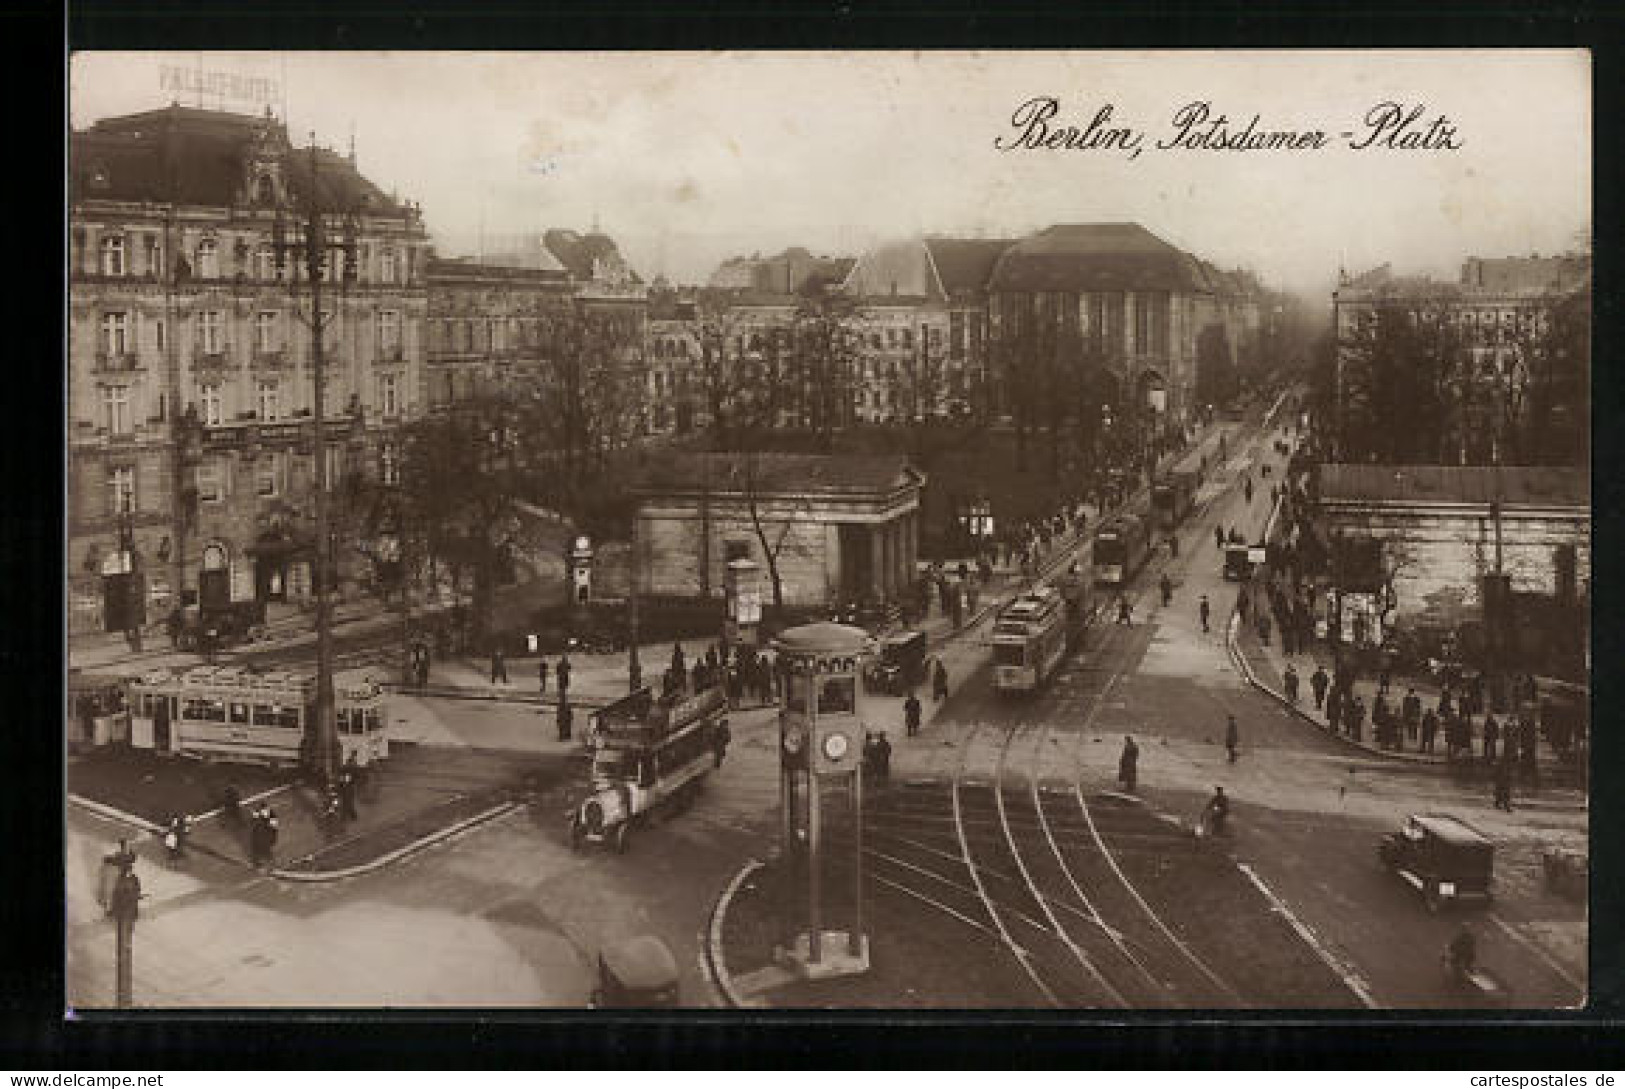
(114, 362)
(271, 359)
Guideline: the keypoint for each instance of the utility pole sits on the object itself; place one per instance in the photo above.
(314, 245)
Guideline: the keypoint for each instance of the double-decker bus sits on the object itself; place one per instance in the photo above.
(1122, 545)
(1029, 640)
(231, 713)
(648, 752)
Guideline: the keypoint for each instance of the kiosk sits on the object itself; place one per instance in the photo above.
(820, 748)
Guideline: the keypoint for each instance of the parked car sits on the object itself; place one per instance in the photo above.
(1446, 859)
(900, 666)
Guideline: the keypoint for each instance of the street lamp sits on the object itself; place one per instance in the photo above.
(308, 240)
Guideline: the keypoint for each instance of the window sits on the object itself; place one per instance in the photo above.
(155, 255)
(113, 256)
(386, 266)
(735, 550)
(159, 334)
(389, 332)
(121, 489)
(908, 338)
(211, 480)
(389, 395)
(211, 332)
(264, 191)
(208, 259)
(267, 474)
(265, 263)
(214, 404)
(268, 401)
(335, 466)
(389, 466)
(265, 331)
(116, 333)
(116, 409)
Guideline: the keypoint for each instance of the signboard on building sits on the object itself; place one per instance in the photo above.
(200, 83)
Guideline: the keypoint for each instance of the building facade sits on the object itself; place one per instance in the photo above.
(192, 456)
(1435, 533)
(840, 528)
(1115, 307)
(1492, 322)
(489, 325)
(921, 324)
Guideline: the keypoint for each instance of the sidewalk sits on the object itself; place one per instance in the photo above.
(110, 654)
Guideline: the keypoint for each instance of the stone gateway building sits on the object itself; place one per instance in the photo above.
(835, 527)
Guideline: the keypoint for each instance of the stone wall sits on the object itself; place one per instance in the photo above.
(671, 547)
(1438, 559)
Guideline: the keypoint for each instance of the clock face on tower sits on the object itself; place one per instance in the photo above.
(835, 746)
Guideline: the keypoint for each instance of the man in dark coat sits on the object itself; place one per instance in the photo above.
(1232, 738)
(1503, 785)
(563, 672)
(565, 719)
(1356, 717)
(1411, 713)
(1128, 765)
(1318, 682)
(1430, 729)
(1290, 680)
(911, 714)
(541, 676)
(939, 682)
(883, 757)
(1204, 610)
(1492, 734)
(499, 667)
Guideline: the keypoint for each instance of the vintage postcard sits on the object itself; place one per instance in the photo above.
(1094, 531)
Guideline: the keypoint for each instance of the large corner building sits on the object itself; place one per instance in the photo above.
(192, 453)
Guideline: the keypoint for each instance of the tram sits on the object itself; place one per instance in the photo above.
(1173, 496)
(1029, 640)
(1122, 545)
(234, 714)
(648, 754)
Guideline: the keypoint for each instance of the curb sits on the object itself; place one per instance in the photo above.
(488, 695)
(310, 877)
(108, 812)
(1287, 705)
(714, 963)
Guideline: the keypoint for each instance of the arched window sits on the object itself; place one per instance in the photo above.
(264, 191)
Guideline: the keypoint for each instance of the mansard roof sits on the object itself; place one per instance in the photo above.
(200, 157)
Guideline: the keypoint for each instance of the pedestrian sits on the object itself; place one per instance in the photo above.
(1356, 717)
(1492, 733)
(679, 664)
(1382, 680)
(1430, 729)
(939, 682)
(564, 719)
(1379, 720)
(541, 678)
(1218, 538)
(1217, 812)
(1247, 489)
(175, 837)
(1128, 765)
(1242, 604)
(1264, 628)
(257, 851)
(1503, 785)
(347, 787)
(1204, 610)
(563, 674)
(911, 714)
(1173, 546)
(1317, 682)
(499, 667)
(1290, 680)
(1411, 711)
(1232, 738)
(1125, 613)
(883, 757)
(1167, 588)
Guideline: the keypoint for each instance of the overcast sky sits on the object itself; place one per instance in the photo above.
(688, 158)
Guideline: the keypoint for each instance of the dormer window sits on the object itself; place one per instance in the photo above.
(208, 259)
(264, 191)
(113, 256)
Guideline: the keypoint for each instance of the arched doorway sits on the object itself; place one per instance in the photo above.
(214, 579)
